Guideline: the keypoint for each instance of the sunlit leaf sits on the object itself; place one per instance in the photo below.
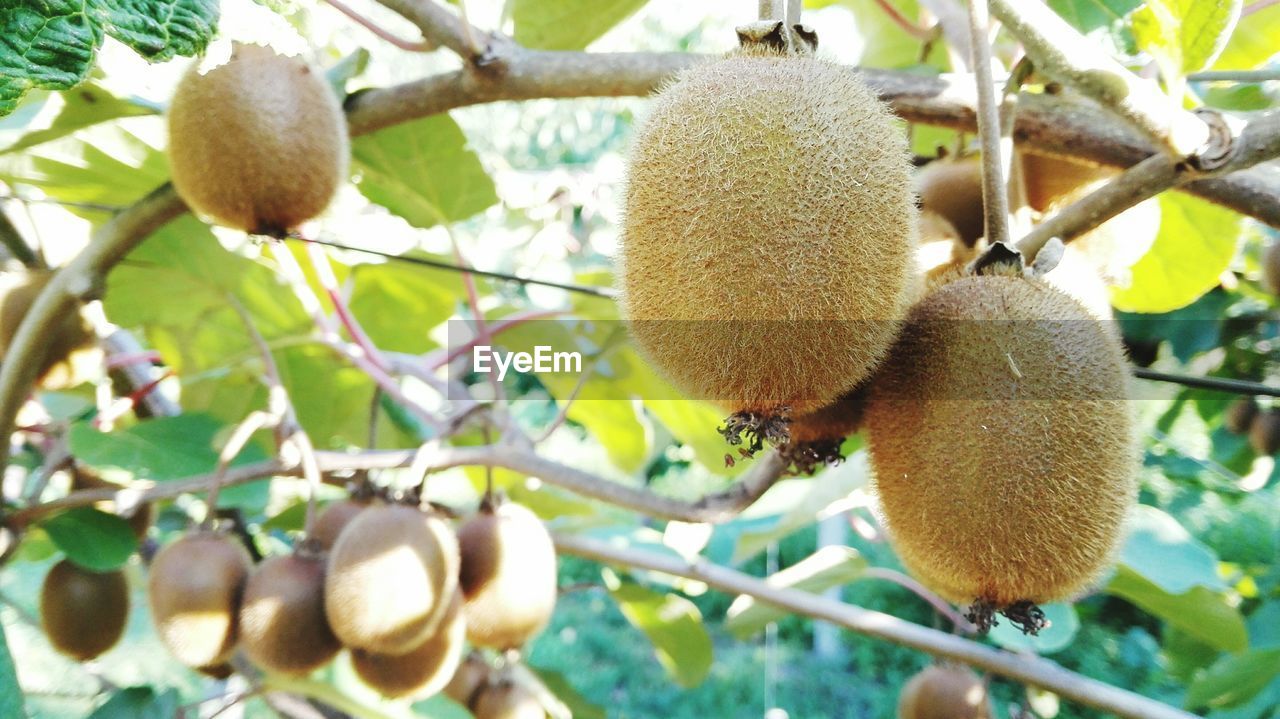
(10, 691)
(1185, 35)
(157, 449)
(672, 623)
(826, 568)
(91, 538)
(1234, 679)
(567, 24)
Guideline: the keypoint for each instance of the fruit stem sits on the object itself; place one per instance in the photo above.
(995, 201)
(240, 437)
(381, 32)
(770, 10)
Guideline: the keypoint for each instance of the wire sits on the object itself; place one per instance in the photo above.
(1235, 386)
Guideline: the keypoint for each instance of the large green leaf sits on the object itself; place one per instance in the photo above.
(1234, 679)
(158, 449)
(567, 24)
(1197, 241)
(1089, 15)
(89, 105)
(10, 691)
(1185, 35)
(672, 623)
(1255, 41)
(422, 171)
(92, 538)
(398, 304)
(826, 568)
(139, 703)
(161, 29)
(1200, 612)
(580, 706)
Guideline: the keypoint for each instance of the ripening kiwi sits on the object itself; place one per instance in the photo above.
(816, 437)
(1271, 268)
(333, 519)
(68, 351)
(505, 698)
(83, 612)
(1002, 444)
(139, 520)
(195, 588)
(258, 143)
(282, 622)
(1240, 415)
(944, 691)
(1264, 432)
(952, 189)
(468, 678)
(390, 576)
(424, 671)
(769, 219)
(508, 575)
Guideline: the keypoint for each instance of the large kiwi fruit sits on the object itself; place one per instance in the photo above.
(68, 350)
(423, 671)
(282, 622)
(1240, 414)
(1003, 447)
(505, 698)
(390, 576)
(472, 674)
(258, 143)
(768, 220)
(952, 189)
(944, 691)
(195, 587)
(333, 519)
(508, 575)
(83, 612)
(1264, 432)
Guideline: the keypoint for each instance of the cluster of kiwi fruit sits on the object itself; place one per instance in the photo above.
(774, 259)
(1261, 424)
(392, 583)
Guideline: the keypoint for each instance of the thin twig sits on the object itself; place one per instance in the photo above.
(16, 243)
(938, 603)
(240, 437)
(376, 29)
(1255, 7)
(495, 329)
(563, 413)
(995, 198)
(1030, 670)
(923, 34)
(95, 206)
(1223, 384)
(438, 25)
(767, 10)
(1240, 76)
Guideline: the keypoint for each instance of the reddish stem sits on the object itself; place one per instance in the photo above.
(923, 34)
(497, 329)
(376, 29)
(1260, 5)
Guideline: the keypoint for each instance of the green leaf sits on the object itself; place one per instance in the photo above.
(92, 538)
(139, 703)
(580, 706)
(827, 488)
(1200, 612)
(89, 105)
(50, 45)
(10, 690)
(1185, 36)
(828, 567)
(1063, 625)
(422, 171)
(1234, 679)
(1089, 15)
(1197, 241)
(1254, 42)
(1165, 554)
(672, 623)
(398, 304)
(158, 449)
(567, 24)
(161, 29)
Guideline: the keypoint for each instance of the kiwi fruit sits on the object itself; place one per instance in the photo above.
(258, 143)
(68, 351)
(508, 575)
(768, 220)
(1264, 432)
(83, 612)
(1240, 414)
(1004, 450)
(195, 587)
(816, 437)
(217, 671)
(944, 691)
(282, 622)
(424, 671)
(1271, 268)
(472, 673)
(389, 579)
(951, 188)
(505, 698)
(333, 519)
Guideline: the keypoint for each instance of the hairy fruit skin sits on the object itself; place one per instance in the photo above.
(944, 692)
(425, 670)
(1002, 445)
(195, 586)
(282, 622)
(508, 576)
(390, 576)
(83, 613)
(333, 519)
(506, 699)
(258, 143)
(952, 189)
(768, 219)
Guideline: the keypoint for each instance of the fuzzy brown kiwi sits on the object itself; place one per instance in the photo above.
(1027, 505)
(768, 219)
(68, 351)
(472, 674)
(282, 622)
(1240, 414)
(505, 698)
(83, 613)
(424, 671)
(944, 691)
(816, 437)
(1264, 432)
(258, 143)
(389, 579)
(1271, 268)
(952, 189)
(195, 587)
(334, 518)
(508, 575)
